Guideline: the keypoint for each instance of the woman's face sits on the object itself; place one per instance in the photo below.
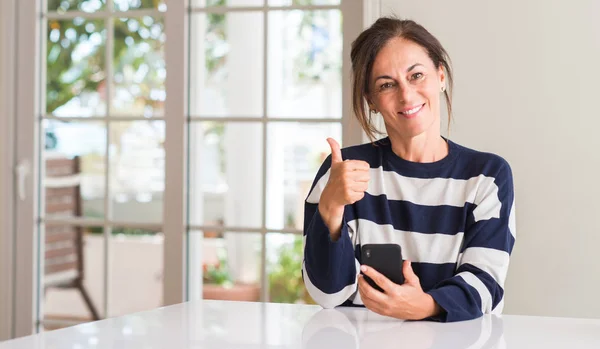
(405, 88)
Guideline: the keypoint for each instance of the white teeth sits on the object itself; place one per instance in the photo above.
(412, 111)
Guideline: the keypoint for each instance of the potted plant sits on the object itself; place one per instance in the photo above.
(285, 279)
(219, 285)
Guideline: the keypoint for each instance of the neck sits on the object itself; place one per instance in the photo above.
(423, 148)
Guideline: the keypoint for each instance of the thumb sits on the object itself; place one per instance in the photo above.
(409, 275)
(336, 153)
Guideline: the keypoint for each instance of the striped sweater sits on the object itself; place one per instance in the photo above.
(454, 219)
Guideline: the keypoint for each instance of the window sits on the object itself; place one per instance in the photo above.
(265, 91)
(102, 172)
(173, 145)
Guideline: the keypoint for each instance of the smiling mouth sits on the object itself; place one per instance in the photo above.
(412, 111)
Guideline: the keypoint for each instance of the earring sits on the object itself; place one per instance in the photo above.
(374, 111)
(443, 88)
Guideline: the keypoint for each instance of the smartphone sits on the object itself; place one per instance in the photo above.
(386, 259)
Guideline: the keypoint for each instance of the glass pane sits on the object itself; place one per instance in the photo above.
(137, 172)
(226, 64)
(62, 6)
(139, 67)
(72, 252)
(284, 269)
(136, 270)
(75, 171)
(76, 77)
(303, 2)
(225, 174)
(230, 265)
(295, 153)
(126, 5)
(228, 3)
(305, 61)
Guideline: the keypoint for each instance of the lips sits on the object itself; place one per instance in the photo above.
(412, 112)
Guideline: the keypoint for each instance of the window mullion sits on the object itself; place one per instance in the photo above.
(108, 61)
(264, 295)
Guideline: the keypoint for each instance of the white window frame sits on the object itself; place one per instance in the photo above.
(24, 296)
(352, 13)
(7, 73)
(26, 138)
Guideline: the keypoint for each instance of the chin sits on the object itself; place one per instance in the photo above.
(414, 131)
(417, 127)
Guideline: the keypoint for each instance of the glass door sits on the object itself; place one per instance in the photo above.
(268, 83)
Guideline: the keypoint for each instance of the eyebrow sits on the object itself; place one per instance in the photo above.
(408, 71)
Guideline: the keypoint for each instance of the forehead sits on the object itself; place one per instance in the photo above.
(399, 54)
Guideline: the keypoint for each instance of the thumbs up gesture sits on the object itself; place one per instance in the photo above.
(348, 181)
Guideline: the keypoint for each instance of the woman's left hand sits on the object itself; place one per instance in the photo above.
(406, 301)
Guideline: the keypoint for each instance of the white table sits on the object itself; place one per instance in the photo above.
(218, 324)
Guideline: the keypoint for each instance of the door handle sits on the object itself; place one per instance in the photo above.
(22, 170)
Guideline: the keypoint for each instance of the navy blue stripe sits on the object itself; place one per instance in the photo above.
(460, 300)
(491, 233)
(407, 216)
(309, 211)
(329, 265)
(496, 291)
(450, 220)
(429, 273)
(466, 163)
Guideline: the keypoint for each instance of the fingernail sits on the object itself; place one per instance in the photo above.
(363, 268)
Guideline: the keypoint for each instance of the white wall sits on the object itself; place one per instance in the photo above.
(527, 88)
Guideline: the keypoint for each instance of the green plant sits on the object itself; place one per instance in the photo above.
(217, 273)
(121, 231)
(285, 279)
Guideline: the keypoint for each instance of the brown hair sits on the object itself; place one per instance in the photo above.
(366, 47)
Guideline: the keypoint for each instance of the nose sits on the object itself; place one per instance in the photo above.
(405, 93)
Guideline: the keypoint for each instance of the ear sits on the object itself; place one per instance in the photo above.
(442, 75)
(370, 103)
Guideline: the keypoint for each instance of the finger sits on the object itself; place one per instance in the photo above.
(372, 293)
(336, 152)
(360, 176)
(357, 165)
(370, 303)
(409, 275)
(366, 291)
(360, 187)
(377, 277)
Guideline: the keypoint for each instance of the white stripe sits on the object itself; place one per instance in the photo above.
(499, 307)
(512, 220)
(315, 194)
(484, 293)
(486, 199)
(423, 191)
(416, 247)
(330, 300)
(357, 300)
(480, 190)
(491, 261)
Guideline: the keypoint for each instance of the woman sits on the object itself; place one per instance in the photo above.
(450, 208)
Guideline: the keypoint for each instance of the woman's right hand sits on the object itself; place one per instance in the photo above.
(348, 181)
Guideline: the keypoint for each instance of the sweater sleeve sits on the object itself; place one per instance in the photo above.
(478, 285)
(329, 269)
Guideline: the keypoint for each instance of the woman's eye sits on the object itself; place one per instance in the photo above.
(416, 76)
(385, 86)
